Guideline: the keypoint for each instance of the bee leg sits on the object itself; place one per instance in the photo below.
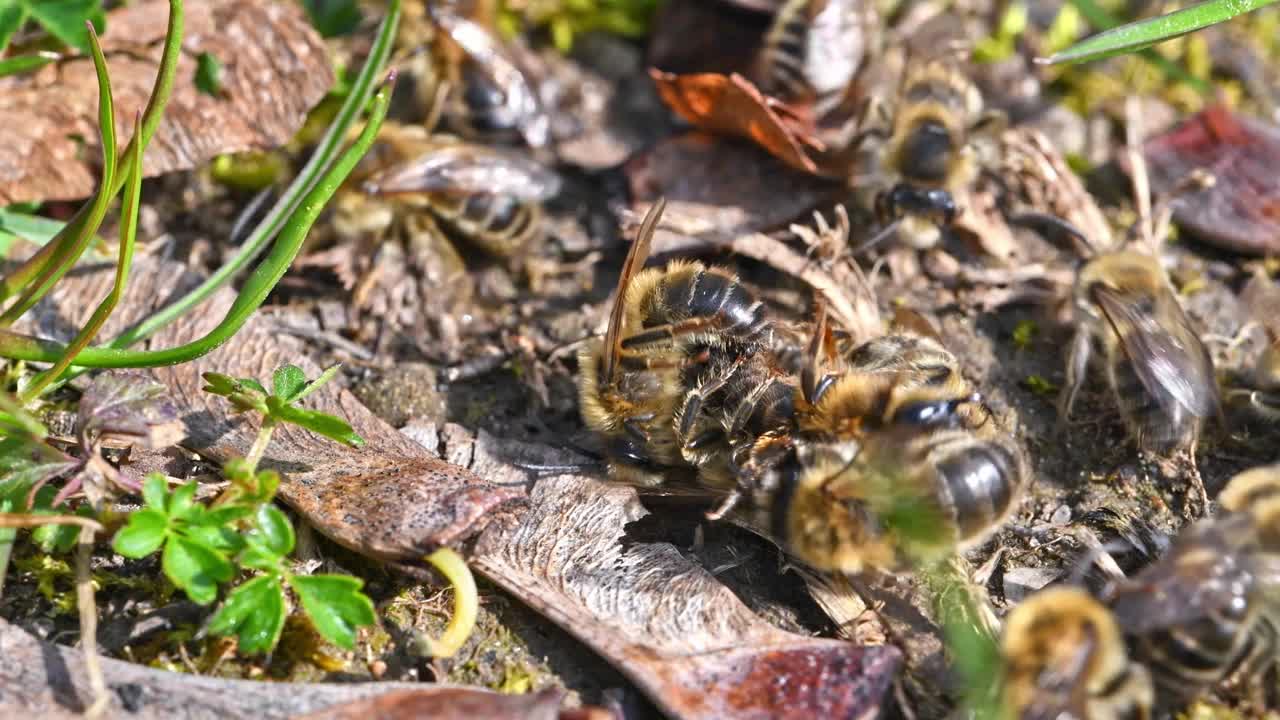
(649, 362)
(671, 331)
(1077, 365)
(729, 503)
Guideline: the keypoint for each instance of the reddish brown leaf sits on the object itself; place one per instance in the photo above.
(731, 105)
(1241, 210)
(453, 703)
(275, 67)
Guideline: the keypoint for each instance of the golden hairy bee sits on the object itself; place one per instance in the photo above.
(489, 197)
(665, 328)
(1204, 616)
(895, 459)
(1158, 370)
(930, 157)
(1064, 658)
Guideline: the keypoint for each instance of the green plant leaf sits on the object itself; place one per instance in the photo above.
(209, 74)
(1144, 33)
(65, 19)
(196, 568)
(19, 64)
(317, 422)
(144, 534)
(288, 381)
(335, 605)
(274, 531)
(12, 15)
(253, 385)
(216, 536)
(254, 613)
(154, 491)
(333, 17)
(182, 504)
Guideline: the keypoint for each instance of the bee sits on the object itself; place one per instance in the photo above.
(1257, 491)
(813, 50)
(485, 195)
(895, 459)
(665, 326)
(1204, 615)
(491, 96)
(930, 158)
(1065, 658)
(1157, 368)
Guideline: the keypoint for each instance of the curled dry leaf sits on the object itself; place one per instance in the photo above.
(732, 105)
(274, 69)
(131, 406)
(1240, 210)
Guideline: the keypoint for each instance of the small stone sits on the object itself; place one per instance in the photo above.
(1061, 515)
(1021, 582)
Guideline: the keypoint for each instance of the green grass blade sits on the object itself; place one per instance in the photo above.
(256, 287)
(1145, 33)
(45, 258)
(78, 234)
(128, 234)
(321, 160)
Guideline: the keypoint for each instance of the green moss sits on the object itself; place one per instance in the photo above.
(564, 20)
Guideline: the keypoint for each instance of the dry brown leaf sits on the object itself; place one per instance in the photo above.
(274, 69)
(731, 105)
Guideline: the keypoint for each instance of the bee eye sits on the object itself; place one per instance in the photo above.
(926, 413)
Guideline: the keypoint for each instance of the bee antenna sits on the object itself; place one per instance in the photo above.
(878, 238)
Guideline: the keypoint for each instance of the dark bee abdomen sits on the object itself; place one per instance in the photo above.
(711, 294)
(1187, 659)
(980, 480)
(926, 154)
(1154, 428)
(771, 407)
(786, 54)
(500, 224)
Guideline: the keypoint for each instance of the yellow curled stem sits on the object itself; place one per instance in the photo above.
(466, 603)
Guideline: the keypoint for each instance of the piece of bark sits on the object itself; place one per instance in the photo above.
(40, 679)
(666, 623)
(274, 69)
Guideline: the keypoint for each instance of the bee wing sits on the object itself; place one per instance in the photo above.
(467, 169)
(1210, 569)
(912, 321)
(635, 259)
(521, 101)
(1166, 353)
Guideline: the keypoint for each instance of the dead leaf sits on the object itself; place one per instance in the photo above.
(1241, 210)
(129, 405)
(732, 105)
(275, 68)
(449, 703)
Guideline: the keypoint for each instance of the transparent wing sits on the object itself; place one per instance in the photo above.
(467, 169)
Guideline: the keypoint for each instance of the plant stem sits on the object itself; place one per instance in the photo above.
(320, 162)
(466, 604)
(89, 623)
(39, 263)
(256, 288)
(260, 444)
(128, 232)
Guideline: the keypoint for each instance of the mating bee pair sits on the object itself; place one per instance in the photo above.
(840, 458)
(1203, 616)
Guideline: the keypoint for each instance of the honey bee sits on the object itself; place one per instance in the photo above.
(487, 196)
(1257, 491)
(813, 50)
(491, 97)
(1065, 658)
(895, 460)
(665, 326)
(1204, 615)
(930, 158)
(1158, 369)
